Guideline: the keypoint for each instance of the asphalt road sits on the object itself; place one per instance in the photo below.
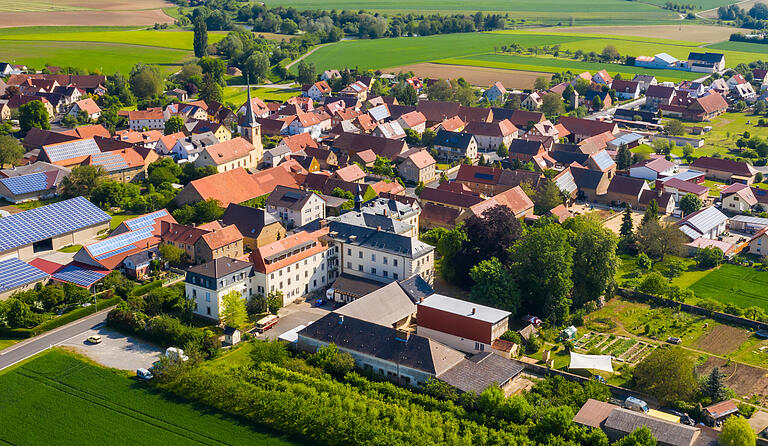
(33, 346)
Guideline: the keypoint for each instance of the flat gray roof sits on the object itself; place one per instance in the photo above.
(465, 308)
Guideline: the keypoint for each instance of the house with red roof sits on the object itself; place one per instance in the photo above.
(491, 135)
(652, 169)
(87, 106)
(235, 186)
(228, 155)
(737, 198)
(725, 170)
(515, 199)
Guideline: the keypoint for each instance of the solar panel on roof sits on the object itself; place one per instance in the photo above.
(78, 275)
(45, 222)
(72, 149)
(14, 273)
(116, 252)
(109, 161)
(145, 220)
(119, 241)
(25, 184)
(484, 176)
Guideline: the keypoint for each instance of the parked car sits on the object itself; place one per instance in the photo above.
(684, 417)
(95, 339)
(673, 340)
(635, 404)
(320, 302)
(532, 320)
(176, 353)
(144, 374)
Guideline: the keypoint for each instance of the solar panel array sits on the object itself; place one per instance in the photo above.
(109, 161)
(78, 275)
(145, 220)
(603, 160)
(119, 241)
(483, 176)
(15, 273)
(72, 149)
(112, 253)
(25, 184)
(45, 222)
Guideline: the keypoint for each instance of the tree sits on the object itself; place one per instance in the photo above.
(146, 81)
(641, 436)
(256, 67)
(173, 125)
(419, 188)
(33, 114)
(714, 386)
(428, 137)
(383, 166)
(709, 257)
(18, 314)
(737, 432)
(494, 285)
(491, 234)
(81, 181)
(440, 90)
(275, 301)
(655, 284)
(171, 254)
(597, 103)
(657, 240)
(667, 374)
(547, 196)
(200, 39)
(552, 105)
(610, 53)
(594, 259)
(627, 225)
(234, 313)
(690, 203)
(214, 67)
(540, 84)
(502, 150)
(543, 262)
(306, 73)
(623, 157)
(674, 127)
(11, 150)
(651, 212)
(210, 91)
(330, 359)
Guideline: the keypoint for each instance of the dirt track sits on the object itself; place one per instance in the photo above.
(479, 76)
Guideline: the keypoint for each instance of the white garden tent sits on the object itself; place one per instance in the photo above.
(595, 362)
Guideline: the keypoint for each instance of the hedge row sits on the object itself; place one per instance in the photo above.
(146, 288)
(73, 315)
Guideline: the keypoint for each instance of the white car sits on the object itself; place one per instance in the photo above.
(144, 374)
(95, 339)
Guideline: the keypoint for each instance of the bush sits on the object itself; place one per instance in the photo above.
(74, 315)
(146, 288)
(512, 336)
(332, 361)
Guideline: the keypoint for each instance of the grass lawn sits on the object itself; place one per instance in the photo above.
(726, 130)
(739, 285)
(104, 57)
(643, 148)
(119, 218)
(714, 187)
(81, 400)
(71, 248)
(238, 95)
(628, 265)
(5, 343)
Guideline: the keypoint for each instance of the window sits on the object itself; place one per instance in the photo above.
(349, 265)
(209, 311)
(394, 276)
(394, 262)
(373, 257)
(386, 273)
(207, 297)
(373, 270)
(349, 252)
(385, 260)
(360, 254)
(360, 268)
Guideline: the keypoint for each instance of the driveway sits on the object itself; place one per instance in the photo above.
(294, 315)
(115, 350)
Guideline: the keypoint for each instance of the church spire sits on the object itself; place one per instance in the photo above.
(250, 116)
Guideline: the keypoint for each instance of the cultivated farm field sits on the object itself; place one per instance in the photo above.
(181, 40)
(475, 75)
(58, 398)
(82, 12)
(742, 286)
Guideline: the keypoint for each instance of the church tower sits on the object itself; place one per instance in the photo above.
(251, 130)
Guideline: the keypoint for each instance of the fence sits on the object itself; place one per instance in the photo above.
(716, 315)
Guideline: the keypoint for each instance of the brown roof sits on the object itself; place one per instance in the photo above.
(366, 156)
(353, 142)
(150, 113)
(421, 159)
(440, 215)
(37, 138)
(436, 111)
(593, 413)
(452, 124)
(449, 198)
(227, 151)
(497, 128)
(586, 126)
(478, 174)
(735, 167)
(88, 105)
(178, 233)
(222, 237)
(626, 185)
(625, 86)
(712, 102)
(352, 172)
(515, 199)
(89, 131)
(413, 118)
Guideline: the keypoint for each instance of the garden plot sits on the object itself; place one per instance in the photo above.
(722, 339)
(743, 379)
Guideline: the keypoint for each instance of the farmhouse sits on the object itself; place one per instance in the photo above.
(491, 135)
(87, 106)
(295, 207)
(679, 188)
(707, 223)
(514, 199)
(233, 154)
(17, 276)
(495, 92)
(31, 182)
(69, 154)
(151, 119)
(351, 143)
(758, 244)
(706, 62)
(626, 190)
(626, 89)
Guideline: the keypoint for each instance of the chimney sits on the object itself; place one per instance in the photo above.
(378, 228)
(341, 319)
(474, 310)
(421, 300)
(323, 223)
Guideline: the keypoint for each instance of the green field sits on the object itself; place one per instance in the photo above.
(702, 4)
(60, 399)
(739, 285)
(181, 40)
(726, 130)
(551, 64)
(104, 57)
(237, 95)
(446, 48)
(745, 47)
(545, 11)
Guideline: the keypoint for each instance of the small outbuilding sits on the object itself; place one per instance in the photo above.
(717, 413)
(231, 336)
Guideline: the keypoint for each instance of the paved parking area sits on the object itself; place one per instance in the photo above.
(294, 315)
(115, 350)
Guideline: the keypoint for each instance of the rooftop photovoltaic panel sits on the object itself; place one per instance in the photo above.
(72, 149)
(484, 176)
(78, 276)
(25, 184)
(116, 252)
(15, 273)
(145, 220)
(118, 241)
(45, 222)
(603, 160)
(109, 161)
